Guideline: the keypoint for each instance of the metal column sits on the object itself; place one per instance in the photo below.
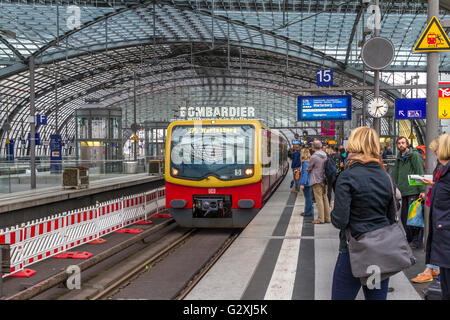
(432, 93)
(377, 121)
(432, 105)
(32, 120)
(134, 117)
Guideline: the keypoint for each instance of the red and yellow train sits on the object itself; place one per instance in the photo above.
(220, 172)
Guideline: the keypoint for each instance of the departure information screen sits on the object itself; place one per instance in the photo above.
(311, 108)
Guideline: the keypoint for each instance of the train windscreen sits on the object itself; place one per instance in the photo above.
(223, 151)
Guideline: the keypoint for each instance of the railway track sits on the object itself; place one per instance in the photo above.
(132, 261)
(170, 281)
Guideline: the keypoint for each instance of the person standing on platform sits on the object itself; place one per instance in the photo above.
(438, 242)
(431, 271)
(363, 203)
(337, 160)
(295, 166)
(409, 161)
(387, 152)
(343, 155)
(304, 182)
(331, 183)
(316, 168)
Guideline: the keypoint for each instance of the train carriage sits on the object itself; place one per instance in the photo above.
(219, 172)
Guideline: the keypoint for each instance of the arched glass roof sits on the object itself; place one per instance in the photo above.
(94, 50)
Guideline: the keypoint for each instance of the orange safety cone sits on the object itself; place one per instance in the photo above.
(25, 273)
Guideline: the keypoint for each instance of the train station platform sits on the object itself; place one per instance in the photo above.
(281, 255)
(19, 207)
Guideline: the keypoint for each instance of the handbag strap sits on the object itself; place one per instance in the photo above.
(393, 196)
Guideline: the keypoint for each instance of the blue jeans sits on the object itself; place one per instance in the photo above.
(308, 201)
(346, 286)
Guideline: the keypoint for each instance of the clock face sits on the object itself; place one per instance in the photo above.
(377, 107)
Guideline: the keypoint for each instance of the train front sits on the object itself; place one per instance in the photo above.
(213, 172)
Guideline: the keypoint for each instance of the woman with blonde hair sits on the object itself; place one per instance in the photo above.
(438, 248)
(304, 182)
(363, 203)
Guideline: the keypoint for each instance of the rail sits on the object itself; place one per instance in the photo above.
(40, 239)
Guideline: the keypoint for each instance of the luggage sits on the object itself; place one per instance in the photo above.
(330, 170)
(433, 292)
(415, 216)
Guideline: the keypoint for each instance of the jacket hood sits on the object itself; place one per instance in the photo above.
(408, 154)
(445, 169)
(321, 153)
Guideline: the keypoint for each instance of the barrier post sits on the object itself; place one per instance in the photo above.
(122, 215)
(145, 206)
(4, 264)
(157, 200)
(1, 271)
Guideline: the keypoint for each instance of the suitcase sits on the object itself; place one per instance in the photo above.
(433, 292)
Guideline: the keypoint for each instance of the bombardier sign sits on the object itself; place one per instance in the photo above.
(217, 112)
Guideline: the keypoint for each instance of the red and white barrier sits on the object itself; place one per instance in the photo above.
(44, 238)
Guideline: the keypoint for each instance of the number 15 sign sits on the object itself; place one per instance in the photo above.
(324, 78)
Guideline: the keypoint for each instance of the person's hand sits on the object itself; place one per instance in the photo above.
(422, 195)
(428, 182)
(302, 187)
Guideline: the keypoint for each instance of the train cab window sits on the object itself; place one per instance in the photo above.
(225, 152)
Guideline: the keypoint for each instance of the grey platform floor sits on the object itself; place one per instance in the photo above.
(281, 255)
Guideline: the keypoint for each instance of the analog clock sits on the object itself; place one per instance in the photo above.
(377, 107)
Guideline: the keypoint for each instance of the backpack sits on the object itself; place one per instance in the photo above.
(330, 170)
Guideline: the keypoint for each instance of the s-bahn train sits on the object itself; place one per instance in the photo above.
(220, 172)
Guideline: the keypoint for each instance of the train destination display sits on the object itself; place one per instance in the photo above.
(318, 108)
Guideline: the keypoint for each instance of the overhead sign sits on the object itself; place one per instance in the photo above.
(216, 112)
(411, 108)
(298, 142)
(37, 138)
(41, 119)
(433, 38)
(324, 78)
(444, 102)
(318, 108)
(55, 153)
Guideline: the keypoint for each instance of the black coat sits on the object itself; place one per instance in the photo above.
(363, 201)
(438, 243)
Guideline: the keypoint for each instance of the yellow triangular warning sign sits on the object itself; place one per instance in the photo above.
(433, 38)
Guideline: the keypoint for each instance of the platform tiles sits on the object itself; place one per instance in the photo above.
(282, 256)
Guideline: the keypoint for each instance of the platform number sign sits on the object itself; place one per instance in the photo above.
(324, 78)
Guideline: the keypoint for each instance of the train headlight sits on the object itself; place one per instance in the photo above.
(175, 171)
(249, 171)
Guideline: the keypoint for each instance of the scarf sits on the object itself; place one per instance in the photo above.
(361, 158)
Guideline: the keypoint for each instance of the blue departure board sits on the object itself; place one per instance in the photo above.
(318, 108)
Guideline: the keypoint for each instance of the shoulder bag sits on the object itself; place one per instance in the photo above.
(385, 250)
